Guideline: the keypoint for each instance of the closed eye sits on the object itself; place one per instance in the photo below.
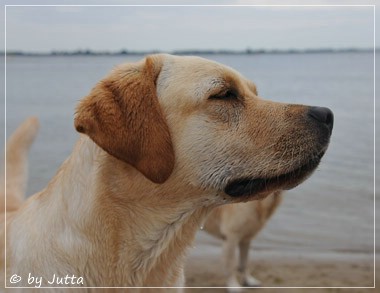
(225, 95)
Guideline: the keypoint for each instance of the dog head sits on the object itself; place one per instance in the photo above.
(191, 116)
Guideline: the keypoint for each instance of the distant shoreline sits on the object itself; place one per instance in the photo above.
(188, 52)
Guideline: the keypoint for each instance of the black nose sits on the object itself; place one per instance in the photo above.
(322, 115)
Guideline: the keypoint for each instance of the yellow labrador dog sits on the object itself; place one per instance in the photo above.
(237, 224)
(164, 141)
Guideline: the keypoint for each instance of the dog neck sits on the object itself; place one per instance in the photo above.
(138, 230)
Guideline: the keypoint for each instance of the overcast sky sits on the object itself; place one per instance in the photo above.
(172, 28)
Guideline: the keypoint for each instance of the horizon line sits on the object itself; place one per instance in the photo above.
(55, 52)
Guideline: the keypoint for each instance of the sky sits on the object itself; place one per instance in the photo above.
(43, 29)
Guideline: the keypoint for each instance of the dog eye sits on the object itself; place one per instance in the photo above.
(227, 95)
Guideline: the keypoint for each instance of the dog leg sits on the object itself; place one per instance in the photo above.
(248, 280)
(181, 281)
(229, 248)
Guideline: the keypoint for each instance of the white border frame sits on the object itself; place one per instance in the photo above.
(194, 5)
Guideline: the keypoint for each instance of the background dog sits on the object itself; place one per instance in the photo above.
(18, 146)
(237, 224)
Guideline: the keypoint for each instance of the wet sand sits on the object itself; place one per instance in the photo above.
(275, 269)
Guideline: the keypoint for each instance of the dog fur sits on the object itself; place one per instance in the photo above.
(17, 150)
(237, 224)
(164, 141)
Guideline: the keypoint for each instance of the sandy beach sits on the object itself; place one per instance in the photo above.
(288, 269)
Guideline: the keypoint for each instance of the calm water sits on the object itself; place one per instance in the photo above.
(332, 212)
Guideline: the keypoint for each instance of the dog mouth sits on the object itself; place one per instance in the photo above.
(243, 187)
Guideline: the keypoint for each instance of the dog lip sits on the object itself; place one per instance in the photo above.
(252, 186)
(242, 187)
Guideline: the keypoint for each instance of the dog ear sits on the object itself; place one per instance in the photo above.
(123, 116)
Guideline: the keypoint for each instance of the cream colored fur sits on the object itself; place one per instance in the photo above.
(237, 224)
(162, 139)
(17, 150)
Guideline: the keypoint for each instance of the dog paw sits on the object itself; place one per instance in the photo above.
(234, 289)
(250, 281)
(234, 285)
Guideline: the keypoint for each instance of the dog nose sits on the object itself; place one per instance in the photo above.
(322, 115)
